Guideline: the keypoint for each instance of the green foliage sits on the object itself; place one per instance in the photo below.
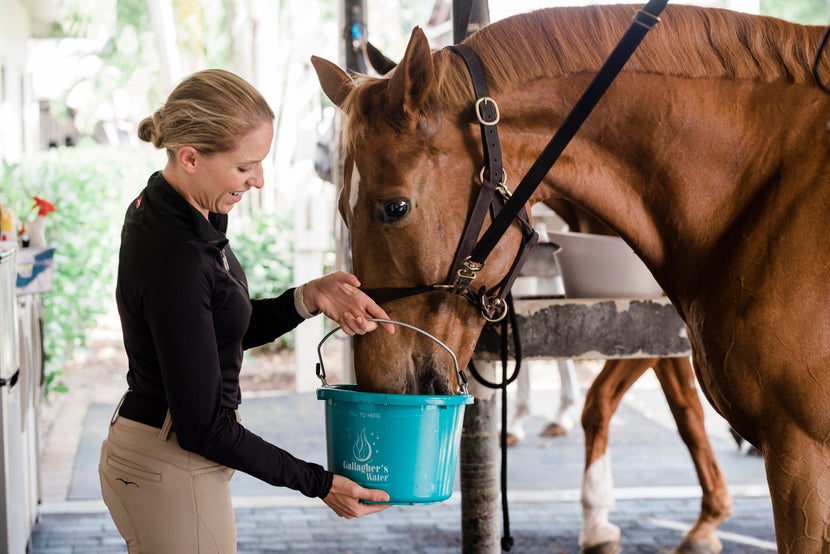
(816, 12)
(263, 243)
(90, 187)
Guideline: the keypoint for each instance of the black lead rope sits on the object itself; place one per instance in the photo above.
(507, 323)
(817, 61)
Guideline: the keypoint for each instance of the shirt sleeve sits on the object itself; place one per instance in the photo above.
(179, 309)
(271, 318)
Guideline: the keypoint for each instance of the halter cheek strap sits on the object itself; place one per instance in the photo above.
(492, 303)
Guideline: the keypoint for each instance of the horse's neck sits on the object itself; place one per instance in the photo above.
(676, 164)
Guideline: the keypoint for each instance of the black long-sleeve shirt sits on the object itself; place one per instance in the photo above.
(186, 317)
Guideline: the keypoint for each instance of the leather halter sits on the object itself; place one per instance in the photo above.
(505, 208)
(492, 197)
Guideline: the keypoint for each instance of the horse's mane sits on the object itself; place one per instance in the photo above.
(690, 41)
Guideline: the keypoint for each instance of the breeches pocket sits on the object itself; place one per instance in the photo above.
(133, 468)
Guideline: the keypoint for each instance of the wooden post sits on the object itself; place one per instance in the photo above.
(354, 34)
(164, 29)
(479, 469)
(479, 455)
(468, 16)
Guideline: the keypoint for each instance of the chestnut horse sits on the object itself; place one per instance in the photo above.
(676, 378)
(707, 155)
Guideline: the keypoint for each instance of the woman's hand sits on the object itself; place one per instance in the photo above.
(345, 495)
(339, 297)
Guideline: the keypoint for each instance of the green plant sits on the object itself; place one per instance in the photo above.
(263, 243)
(90, 186)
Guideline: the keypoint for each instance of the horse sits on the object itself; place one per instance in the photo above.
(707, 155)
(677, 380)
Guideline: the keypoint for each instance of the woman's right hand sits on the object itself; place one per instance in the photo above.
(345, 495)
(338, 295)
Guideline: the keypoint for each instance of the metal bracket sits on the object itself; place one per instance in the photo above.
(11, 381)
(646, 19)
(465, 276)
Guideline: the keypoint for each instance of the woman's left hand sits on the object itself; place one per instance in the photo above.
(345, 498)
(338, 295)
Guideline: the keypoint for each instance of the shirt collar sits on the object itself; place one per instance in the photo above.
(211, 230)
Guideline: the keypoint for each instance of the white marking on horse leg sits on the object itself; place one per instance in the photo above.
(569, 392)
(597, 503)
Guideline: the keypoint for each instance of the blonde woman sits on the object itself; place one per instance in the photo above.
(175, 438)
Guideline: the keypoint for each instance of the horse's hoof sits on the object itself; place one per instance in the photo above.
(512, 440)
(692, 546)
(602, 548)
(554, 430)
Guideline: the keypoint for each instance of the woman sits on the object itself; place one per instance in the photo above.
(186, 316)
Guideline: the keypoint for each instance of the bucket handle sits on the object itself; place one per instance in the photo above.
(462, 379)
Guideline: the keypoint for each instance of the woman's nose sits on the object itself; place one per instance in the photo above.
(257, 180)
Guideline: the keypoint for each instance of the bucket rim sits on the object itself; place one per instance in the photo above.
(349, 393)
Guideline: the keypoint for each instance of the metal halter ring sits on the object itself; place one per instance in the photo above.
(493, 303)
(500, 183)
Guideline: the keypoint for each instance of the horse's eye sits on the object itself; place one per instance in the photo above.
(394, 210)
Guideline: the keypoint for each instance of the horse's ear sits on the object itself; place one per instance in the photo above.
(410, 83)
(378, 60)
(336, 83)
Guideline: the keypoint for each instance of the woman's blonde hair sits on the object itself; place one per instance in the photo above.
(209, 111)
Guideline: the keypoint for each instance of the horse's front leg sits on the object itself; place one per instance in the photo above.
(678, 382)
(598, 534)
(798, 472)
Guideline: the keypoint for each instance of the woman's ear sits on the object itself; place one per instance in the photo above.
(187, 158)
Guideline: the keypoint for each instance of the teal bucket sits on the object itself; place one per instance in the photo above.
(406, 445)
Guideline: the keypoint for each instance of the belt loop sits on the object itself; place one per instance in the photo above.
(114, 417)
(165, 429)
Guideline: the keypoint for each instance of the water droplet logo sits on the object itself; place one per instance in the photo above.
(362, 450)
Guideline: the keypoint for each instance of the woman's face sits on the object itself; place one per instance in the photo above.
(221, 179)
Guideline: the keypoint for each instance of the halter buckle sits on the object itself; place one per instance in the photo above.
(465, 276)
(482, 117)
(646, 19)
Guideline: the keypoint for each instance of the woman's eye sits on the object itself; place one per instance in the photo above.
(394, 210)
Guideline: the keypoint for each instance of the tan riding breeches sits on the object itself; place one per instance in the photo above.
(162, 498)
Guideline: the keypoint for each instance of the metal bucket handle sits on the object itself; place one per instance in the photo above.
(462, 379)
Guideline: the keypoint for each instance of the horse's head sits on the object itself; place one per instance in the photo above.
(411, 176)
